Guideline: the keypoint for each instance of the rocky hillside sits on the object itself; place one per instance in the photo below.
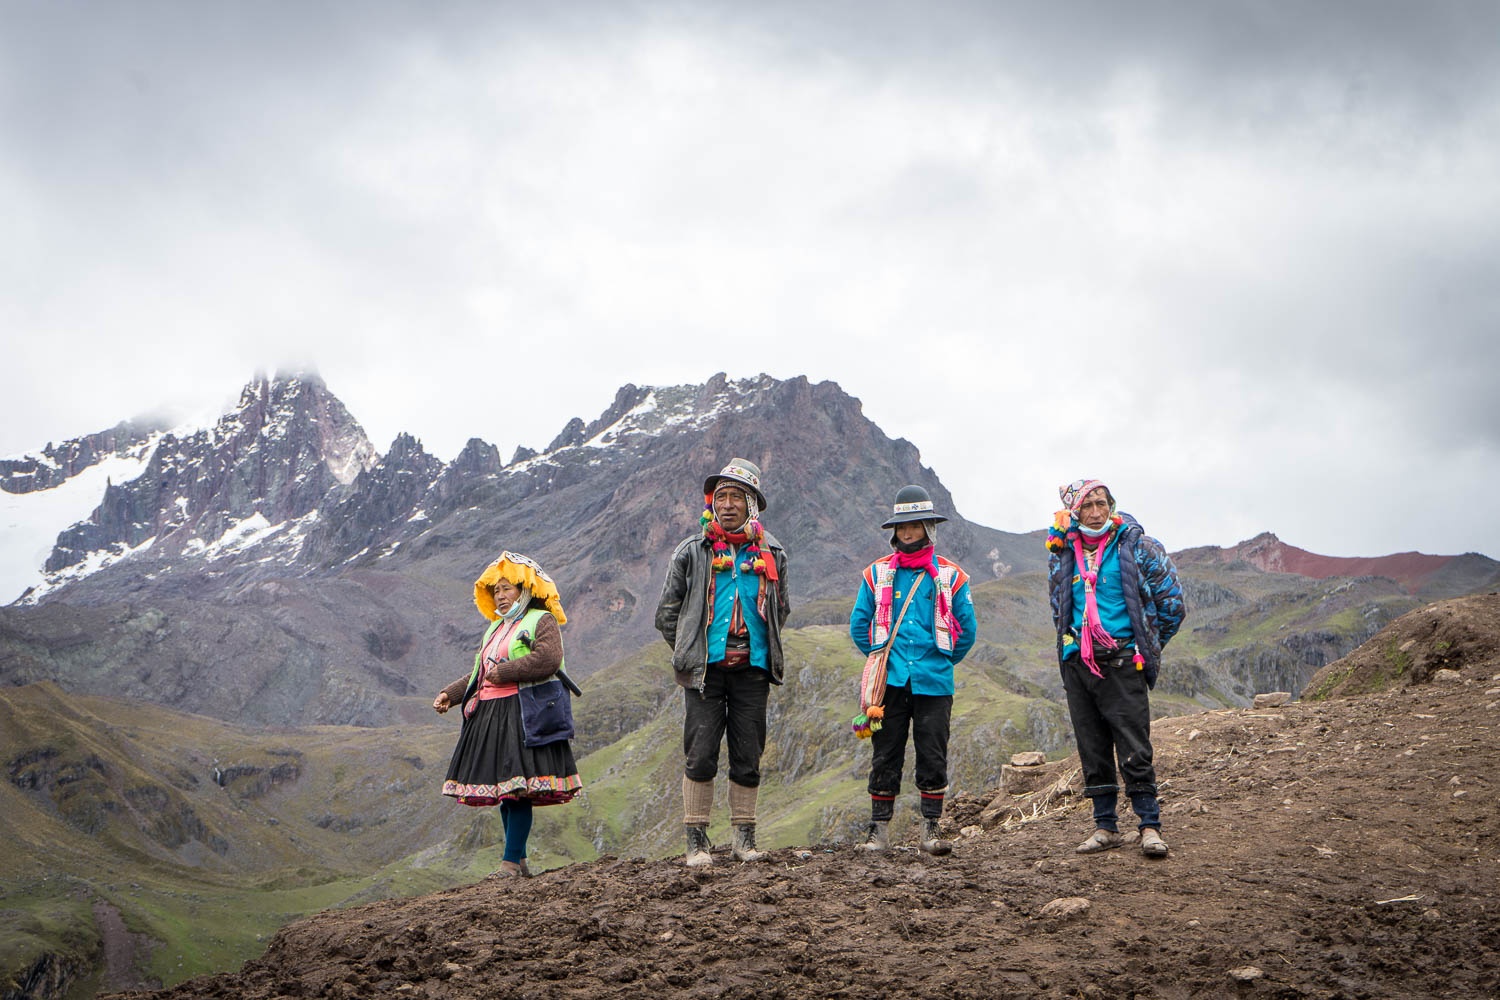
(1337, 848)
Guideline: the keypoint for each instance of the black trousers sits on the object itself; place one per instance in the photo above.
(1112, 724)
(733, 701)
(926, 718)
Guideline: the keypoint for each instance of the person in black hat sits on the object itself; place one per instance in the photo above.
(924, 600)
(721, 611)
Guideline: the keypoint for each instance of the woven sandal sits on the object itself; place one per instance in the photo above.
(1099, 841)
(507, 869)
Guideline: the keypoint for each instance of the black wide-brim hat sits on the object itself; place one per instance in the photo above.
(913, 503)
(740, 471)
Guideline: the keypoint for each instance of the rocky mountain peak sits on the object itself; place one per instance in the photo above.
(298, 405)
(271, 460)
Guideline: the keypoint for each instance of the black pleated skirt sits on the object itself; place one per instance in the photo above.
(492, 761)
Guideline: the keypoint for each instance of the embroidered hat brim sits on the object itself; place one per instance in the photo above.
(741, 473)
(918, 510)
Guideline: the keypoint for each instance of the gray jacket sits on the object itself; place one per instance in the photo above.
(681, 616)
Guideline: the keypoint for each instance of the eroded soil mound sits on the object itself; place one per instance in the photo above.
(1338, 849)
(1447, 635)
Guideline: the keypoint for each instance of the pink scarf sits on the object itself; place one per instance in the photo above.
(922, 559)
(1093, 632)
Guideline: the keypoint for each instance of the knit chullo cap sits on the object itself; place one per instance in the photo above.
(1073, 493)
(525, 573)
(741, 472)
(1072, 497)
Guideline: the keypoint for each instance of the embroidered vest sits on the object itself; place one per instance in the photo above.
(521, 638)
(882, 578)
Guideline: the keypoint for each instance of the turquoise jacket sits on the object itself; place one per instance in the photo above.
(915, 658)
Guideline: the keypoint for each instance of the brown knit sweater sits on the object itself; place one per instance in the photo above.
(542, 662)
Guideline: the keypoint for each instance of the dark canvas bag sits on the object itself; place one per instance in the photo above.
(546, 712)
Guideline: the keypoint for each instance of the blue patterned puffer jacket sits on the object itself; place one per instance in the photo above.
(1153, 593)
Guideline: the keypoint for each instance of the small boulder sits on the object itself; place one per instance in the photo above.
(1447, 676)
(1272, 699)
(1245, 974)
(1065, 908)
(1028, 758)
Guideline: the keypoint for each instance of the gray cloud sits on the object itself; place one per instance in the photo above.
(1260, 237)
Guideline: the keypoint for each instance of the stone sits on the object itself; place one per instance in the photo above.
(1245, 974)
(1447, 676)
(1065, 907)
(1272, 699)
(1028, 758)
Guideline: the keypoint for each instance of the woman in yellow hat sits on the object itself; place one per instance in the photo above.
(517, 717)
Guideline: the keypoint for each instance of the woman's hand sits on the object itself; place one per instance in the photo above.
(441, 702)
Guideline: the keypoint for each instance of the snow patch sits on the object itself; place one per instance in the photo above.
(91, 564)
(31, 522)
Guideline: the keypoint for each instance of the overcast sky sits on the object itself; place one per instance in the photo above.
(1240, 259)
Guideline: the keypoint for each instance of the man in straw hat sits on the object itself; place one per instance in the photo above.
(1116, 602)
(721, 611)
(916, 605)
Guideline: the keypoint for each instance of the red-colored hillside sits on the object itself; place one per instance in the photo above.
(1267, 552)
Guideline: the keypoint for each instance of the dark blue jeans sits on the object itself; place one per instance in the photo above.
(733, 701)
(1112, 725)
(926, 717)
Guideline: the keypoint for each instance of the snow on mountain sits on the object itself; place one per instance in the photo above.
(32, 521)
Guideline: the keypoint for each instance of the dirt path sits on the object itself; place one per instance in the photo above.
(125, 953)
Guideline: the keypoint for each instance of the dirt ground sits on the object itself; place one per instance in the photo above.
(1345, 849)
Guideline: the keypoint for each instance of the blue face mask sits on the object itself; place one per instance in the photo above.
(1099, 532)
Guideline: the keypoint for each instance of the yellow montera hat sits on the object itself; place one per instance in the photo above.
(524, 572)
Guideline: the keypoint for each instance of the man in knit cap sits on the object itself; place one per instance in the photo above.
(721, 611)
(1116, 603)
